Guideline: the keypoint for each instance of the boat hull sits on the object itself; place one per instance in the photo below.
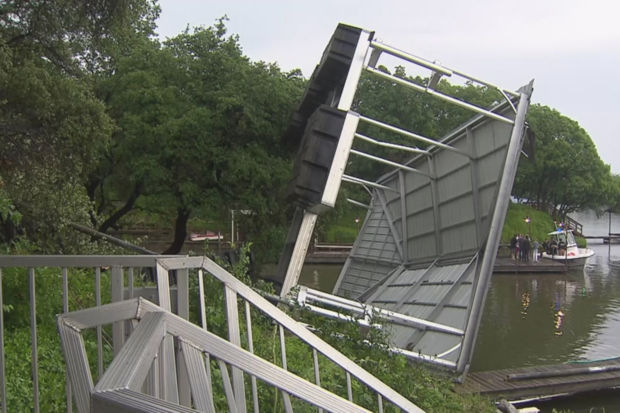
(576, 261)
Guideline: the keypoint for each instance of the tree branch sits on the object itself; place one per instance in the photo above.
(115, 217)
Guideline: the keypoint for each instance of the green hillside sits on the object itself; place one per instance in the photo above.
(541, 223)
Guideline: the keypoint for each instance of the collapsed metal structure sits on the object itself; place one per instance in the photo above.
(422, 262)
(163, 363)
(428, 244)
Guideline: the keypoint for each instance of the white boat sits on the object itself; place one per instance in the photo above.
(572, 256)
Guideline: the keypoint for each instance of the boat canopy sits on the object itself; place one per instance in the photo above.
(565, 235)
(560, 231)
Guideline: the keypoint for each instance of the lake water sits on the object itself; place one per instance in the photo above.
(520, 325)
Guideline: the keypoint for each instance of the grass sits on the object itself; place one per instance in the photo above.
(346, 229)
(540, 224)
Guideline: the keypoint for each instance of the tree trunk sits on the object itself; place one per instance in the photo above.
(180, 231)
(91, 189)
(115, 217)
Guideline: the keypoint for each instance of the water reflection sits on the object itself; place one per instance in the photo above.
(543, 319)
(319, 277)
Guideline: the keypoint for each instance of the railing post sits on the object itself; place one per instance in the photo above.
(118, 329)
(167, 370)
(183, 312)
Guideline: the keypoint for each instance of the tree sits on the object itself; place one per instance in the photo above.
(52, 127)
(198, 127)
(567, 172)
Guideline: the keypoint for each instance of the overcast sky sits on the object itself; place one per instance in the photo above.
(570, 47)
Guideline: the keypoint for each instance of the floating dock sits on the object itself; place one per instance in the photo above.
(506, 265)
(503, 265)
(547, 380)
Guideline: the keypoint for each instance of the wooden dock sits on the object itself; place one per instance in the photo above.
(503, 265)
(496, 386)
(506, 265)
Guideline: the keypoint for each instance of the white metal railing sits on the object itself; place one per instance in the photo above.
(181, 375)
(101, 270)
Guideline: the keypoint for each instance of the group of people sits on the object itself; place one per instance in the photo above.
(554, 247)
(522, 248)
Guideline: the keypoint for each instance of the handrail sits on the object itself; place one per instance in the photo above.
(173, 390)
(237, 288)
(571, 223)
(80, 261)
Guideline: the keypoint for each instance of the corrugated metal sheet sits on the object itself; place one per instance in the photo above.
(377, 247)
(444, 223)
(438, 293)
(373, 257)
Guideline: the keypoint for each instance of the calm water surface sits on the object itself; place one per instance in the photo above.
(532, 320)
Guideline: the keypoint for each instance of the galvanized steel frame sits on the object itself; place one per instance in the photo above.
(367, 55)
(143, 361)
(509, 171)
(486, 234)
(481, 253)
(64, 264)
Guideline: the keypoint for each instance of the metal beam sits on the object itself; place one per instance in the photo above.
(182, 297)
(359, 181)
(340, 161)
(118, 328)
(413, 135)
(131, 365)
(403, 217)
(495, 229)
(80, 261)
(410, 58)
(436, 214)
(392, 145)
(390, 220)
(441, 96)
(359, 204)
(475, 176)
(355, 71)
(300, 250)
(385, 161)
(363, 309)
(111, 239)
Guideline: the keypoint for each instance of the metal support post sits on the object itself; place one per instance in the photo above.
(299, 252)
(497, 221)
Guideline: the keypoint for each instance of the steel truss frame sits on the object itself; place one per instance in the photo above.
(149, 353)
(510, 113)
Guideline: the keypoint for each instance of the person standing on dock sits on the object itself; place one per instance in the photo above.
(513, 247)
(535, 250)
(526, 248)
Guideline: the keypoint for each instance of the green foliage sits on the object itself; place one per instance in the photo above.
(49, 302)
(581, 241)
(567, 171)
(52, 126)
(198, 129)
